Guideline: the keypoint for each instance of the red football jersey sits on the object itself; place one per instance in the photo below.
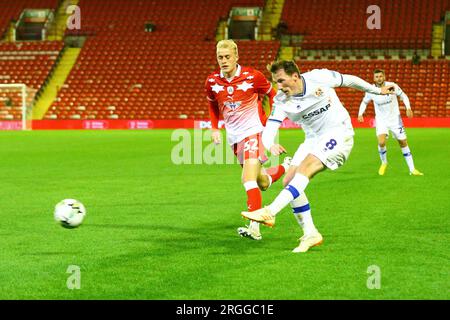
(238, 100)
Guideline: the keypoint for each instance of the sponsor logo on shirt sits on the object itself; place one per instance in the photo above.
(386, 101)
(316, 112)
(232, 104)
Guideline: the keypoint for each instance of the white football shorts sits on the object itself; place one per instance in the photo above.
(395, 126)
(333, 149)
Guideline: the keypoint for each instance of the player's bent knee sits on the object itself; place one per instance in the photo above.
(263, 185)
(403, 143)
(263, 182)
(382, 141)
(289, 175)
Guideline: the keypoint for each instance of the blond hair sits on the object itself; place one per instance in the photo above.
(227, 44)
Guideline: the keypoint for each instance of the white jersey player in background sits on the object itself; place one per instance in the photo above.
(388, 118)
(308, 99)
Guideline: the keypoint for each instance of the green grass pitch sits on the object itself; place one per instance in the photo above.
(155, 230)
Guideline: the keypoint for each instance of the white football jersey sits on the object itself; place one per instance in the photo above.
(317, 109)
(386, 106)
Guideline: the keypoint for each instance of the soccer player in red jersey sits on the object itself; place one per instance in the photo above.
(236, 93)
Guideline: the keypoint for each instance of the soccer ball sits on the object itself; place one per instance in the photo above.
(69, 213)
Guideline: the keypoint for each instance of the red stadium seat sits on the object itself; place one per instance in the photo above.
(414, 80)
(408, 24)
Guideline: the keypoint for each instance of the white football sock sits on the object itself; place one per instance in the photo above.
(292, 191)
(302, 212)
(254, 225)
(383, 154)
(408, 158)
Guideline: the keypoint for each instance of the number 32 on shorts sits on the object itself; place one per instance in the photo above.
(331, 144)
(251, 145)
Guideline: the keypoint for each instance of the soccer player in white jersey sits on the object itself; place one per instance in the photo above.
(388, 118)
(309, 100)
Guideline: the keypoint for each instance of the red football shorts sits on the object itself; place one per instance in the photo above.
(250, 148)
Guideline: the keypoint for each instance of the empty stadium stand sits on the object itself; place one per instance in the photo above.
(328, 24)
(124, 72)
(25, 62)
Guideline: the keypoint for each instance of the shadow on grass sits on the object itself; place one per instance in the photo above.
(210, 238)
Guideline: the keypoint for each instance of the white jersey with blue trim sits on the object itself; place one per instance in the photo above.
(317, 109)
(386, 106)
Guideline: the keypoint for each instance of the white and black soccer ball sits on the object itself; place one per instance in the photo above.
(69, 213)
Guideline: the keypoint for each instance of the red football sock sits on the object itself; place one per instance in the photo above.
(275, 172)
(254, 199)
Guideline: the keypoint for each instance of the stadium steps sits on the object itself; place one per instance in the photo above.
(62, 70)
(275, 15)
(271, 18)
(9, 34)
(221, 29)
(437, 39)
(57, 30)
(286, 53)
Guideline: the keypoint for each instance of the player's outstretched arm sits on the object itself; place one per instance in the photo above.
(268, 137)
(355, 82)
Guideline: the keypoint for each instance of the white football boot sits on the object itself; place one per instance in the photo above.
(309, 241)
(249, 232)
